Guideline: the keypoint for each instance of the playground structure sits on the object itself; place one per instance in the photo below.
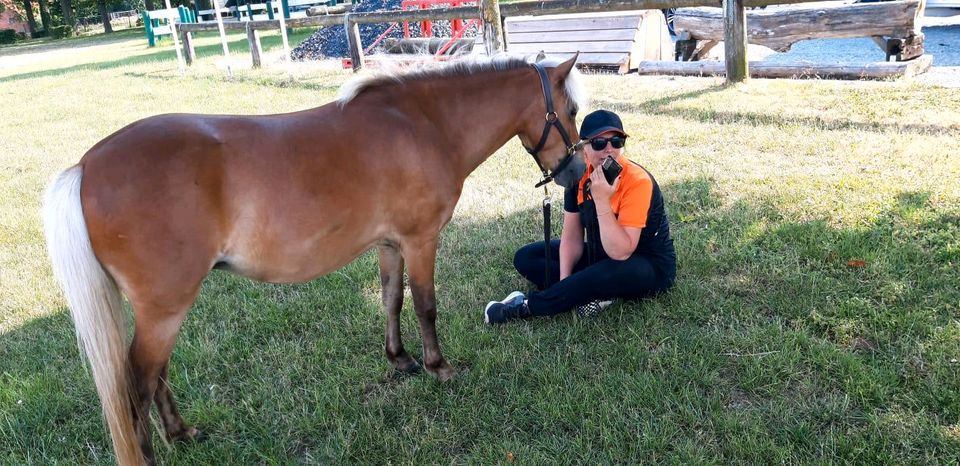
(494, 16)
(158, 23)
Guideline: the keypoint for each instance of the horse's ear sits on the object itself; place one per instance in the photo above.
(540, 57)
(563, 69)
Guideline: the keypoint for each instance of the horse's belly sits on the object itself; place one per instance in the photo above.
(295, 263)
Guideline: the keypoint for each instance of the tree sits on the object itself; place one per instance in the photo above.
(45, 16)
(102, 5)
(66, 6)
(31, 22)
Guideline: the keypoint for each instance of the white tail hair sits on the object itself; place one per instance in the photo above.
(95, 305)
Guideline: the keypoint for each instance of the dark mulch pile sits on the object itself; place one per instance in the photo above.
(331, 42)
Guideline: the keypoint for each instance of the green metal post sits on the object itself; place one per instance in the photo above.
(286, 8)
(148, 27)
(269, 9)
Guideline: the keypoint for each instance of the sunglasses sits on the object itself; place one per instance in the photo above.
(601, 143)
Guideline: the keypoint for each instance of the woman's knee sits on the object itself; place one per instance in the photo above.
(528, 257)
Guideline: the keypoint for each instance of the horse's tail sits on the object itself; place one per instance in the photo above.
(96, 307)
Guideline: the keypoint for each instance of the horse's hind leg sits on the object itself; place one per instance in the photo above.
(421, 256)
(391, 281)
(173, 425)
(155, 332)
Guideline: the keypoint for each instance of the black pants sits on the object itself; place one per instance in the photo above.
(634, 278)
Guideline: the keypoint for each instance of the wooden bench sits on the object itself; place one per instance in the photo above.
(617, 40)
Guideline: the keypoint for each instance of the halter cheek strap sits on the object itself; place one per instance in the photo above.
(551, 120)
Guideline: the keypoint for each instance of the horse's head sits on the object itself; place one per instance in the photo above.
(549, 132)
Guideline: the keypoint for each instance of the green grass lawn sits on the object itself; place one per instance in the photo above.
(770, 349)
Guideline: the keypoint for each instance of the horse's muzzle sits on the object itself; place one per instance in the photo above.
(571, 174)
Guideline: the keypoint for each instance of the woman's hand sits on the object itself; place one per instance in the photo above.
(600, 189)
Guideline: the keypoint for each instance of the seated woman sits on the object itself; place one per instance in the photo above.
(628, 252)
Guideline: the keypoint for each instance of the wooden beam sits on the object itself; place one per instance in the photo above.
(878, 70)
(735, 40)
(493, 39)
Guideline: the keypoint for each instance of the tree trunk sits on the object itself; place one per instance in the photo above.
(31, 22)
(102, 6)
(68, 17)
(45, 15)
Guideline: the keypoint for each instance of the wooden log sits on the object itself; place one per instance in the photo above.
(734, 40)
(491, 14)
(878, 70)
(781, 28)
(253, 38)
(324, 10)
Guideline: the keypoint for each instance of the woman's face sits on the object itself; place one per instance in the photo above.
(595, 157)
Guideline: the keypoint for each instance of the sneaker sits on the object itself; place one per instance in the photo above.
(592, 309)
(512, 307)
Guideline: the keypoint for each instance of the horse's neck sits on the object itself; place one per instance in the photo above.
(483, 112)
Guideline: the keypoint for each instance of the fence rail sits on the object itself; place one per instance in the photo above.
(493, 14)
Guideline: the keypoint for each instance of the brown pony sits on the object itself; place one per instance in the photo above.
(151, 209)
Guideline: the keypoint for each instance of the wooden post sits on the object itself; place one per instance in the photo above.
(735, 40)
(176, 41)
(189, 54)
(253, 37)
(492, 26)
(353, 39)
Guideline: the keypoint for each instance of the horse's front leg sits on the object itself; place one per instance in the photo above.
(391, 282)
(421, 256)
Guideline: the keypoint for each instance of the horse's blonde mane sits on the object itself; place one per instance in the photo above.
(462, 67)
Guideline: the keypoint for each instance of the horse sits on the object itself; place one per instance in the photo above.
(150, 210)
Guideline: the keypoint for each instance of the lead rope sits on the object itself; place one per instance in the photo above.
(547, 249)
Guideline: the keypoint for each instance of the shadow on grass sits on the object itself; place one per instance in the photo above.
(79, 42)
(769, 347)
(662, 106)
(239, 50)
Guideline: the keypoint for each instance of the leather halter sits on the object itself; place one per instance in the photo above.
(552, 120)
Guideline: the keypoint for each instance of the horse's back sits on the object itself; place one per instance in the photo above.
(255, 194)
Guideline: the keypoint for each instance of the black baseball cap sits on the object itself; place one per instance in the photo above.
(600, 122)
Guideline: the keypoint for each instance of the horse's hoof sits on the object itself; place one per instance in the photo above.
(404, 363)
(442, 370)
(199, 435)
(409, 366)
(191, 434)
